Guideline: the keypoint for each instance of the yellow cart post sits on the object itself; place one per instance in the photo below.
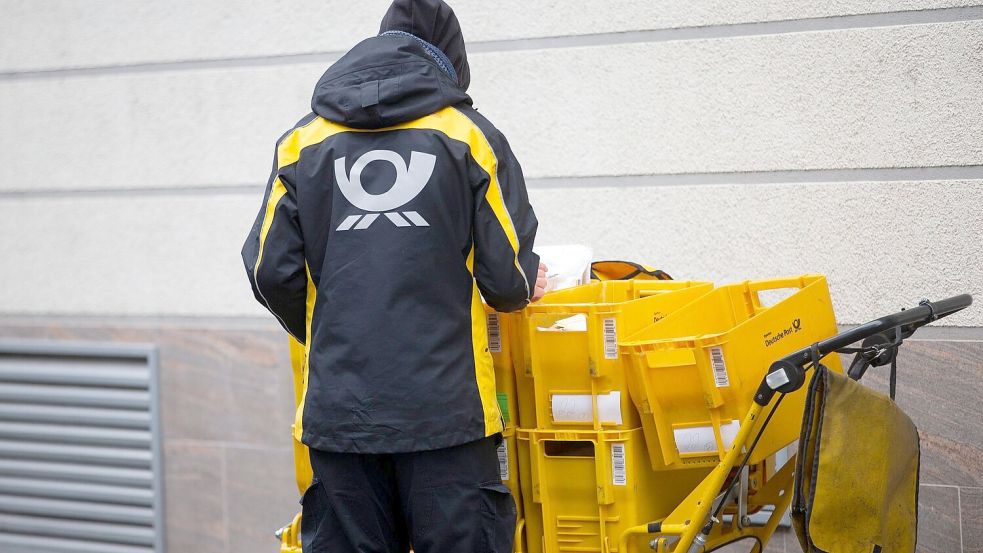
(289, 535)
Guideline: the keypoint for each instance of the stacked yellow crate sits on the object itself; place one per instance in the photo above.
(715, 352)
(579, 436)
(502, 344)
(628, 394)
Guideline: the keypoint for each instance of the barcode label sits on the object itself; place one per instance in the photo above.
(618, 465)
(610, 339)
(494, 334)
(503, 461)
(720, 377)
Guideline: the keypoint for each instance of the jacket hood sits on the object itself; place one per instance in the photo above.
(384, 81)
(433, 21)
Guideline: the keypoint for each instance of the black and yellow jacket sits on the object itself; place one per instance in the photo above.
(389, 208)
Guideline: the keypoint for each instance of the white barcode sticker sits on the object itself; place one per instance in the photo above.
(610, 339)
(503, 461)
(618, 469)
(720, 377)
(494, 334)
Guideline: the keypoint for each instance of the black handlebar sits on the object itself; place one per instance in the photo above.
(788, 373)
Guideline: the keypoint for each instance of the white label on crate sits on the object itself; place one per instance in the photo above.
(720, 377)
(494, 334)
(700, 439)
(618, 469)
(503, 460)
(610, 339)
(580, 408)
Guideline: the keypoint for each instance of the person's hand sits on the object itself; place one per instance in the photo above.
(540, 290)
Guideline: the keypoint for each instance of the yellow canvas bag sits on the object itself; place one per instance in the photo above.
(856, 481)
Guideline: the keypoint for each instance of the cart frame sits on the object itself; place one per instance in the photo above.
(700, 522)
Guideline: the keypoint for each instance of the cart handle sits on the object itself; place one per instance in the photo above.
(788, 373)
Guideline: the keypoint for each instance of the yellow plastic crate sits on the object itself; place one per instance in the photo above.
(504, 344)
(570, 354)
(302, 458)
(290, 534)
(508, 465)
(508, 462)
(582, 489)
(693, 375)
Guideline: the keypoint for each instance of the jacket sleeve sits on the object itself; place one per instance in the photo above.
(273, 255)
(505, 266)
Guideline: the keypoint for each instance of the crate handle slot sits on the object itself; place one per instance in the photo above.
(568, 448)
(756, 287)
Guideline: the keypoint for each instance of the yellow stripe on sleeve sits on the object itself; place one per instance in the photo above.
(288, 152)
(311, 300)
(276, 194)
(484, 367)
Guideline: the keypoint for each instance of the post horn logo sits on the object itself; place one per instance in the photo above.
(410, 181)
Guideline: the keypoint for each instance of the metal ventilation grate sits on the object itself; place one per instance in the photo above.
(80, 463)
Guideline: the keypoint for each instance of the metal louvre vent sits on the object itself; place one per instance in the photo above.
(80, 468)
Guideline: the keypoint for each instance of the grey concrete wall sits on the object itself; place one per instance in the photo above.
(226, 410)
(715, 139)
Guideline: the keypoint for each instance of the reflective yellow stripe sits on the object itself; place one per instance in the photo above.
(276, 194)
(315, 132)
(484, 368)
(463, 129)
(311, 300)
(287, 153)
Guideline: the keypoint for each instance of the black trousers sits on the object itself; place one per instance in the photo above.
(443, 501)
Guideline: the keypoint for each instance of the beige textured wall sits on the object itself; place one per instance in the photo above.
(138, 171)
